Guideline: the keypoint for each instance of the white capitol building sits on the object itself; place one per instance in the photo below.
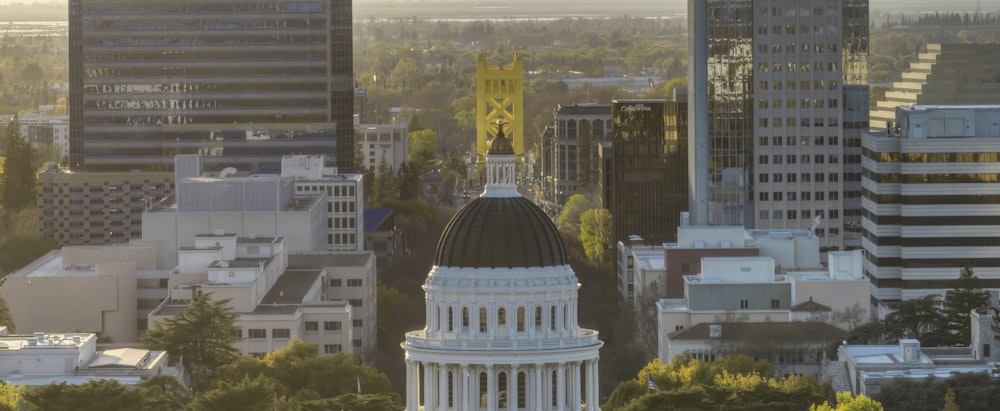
(501, 329)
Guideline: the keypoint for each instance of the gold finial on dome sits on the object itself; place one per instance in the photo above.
(500, 144)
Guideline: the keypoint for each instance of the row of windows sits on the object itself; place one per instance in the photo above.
(792, 177)
(798, 196)
(776, 48)
(805, 140)
(451, 324)
(331, 191)
(798, 11)
(340, 222)
(798, 103)
(261, 333)
(793, 159)
(777, 122)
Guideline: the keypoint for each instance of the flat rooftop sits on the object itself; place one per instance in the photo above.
(318, 261)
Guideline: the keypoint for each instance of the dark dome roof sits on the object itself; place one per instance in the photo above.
(500, 144)
(500, 232)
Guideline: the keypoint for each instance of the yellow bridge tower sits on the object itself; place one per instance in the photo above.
(499, 96)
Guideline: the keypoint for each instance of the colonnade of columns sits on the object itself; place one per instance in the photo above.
(502, 387)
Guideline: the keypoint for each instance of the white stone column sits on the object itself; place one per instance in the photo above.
(539, 390)
(512, 392)
(462, 387)
(594, 403)
(491, 389)
(561, 387)
(427, 385)
(410, 406)
(576, 396)
(442, 369)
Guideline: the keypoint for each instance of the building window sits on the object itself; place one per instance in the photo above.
(538, 317)
(355, 302)
(775, 303)
(358, 322)
(678, 327)
(451, 319)
(334, 282)
(331, 326)
(465, 317)
(281, 333)
(354, 282)
(482, 320)
(520, 319)
(502, 316)
(236, 332)
(356, 343)
(744, 304)
(312, 326)
(257, 333)
(332, 348)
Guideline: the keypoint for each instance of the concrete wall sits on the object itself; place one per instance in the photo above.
(676, 259)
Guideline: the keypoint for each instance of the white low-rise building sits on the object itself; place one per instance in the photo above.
(44, 358)
(748, 289)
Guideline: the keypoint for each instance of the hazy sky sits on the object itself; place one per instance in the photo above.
(901, 5)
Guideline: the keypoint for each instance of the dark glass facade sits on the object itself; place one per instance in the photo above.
(240, 82)
(649, 176)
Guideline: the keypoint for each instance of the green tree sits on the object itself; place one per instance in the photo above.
(18, 250)
(422, 148)
(595, 235)
(32, 72)
(11, 397)
(568, 221)
(959, 302)
(201, 337)
(845, 402)
(369, 402)
(258, 393)
(19, 181)
(96, 395)
(298, 371)
(919, 318)
(163, 393)
(949, 401)
(384, 186)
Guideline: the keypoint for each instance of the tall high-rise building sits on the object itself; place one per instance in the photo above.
(931, 201)
(944, 74)
(648, 177)
(770, 82)
(239, 82)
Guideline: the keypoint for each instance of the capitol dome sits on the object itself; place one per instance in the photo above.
(501, 309)
(500, 232)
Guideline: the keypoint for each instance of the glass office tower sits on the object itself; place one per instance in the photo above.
(240, 82)
(778, 91)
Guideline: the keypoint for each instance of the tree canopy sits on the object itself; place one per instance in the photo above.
(202, 336)
(959, 302)
(732, 383)
(595, 235)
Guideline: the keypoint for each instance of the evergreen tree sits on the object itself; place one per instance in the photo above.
(20, 182)
(958, 302)
(384, 186)
(919, 318)
(201, 337)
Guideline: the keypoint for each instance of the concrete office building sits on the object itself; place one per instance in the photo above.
(378, 143)
(579, 128)
(930, 201)
(96, 208)
(324, 299)
(44, 131)
(767, 101)
(240, 82)
(108, 290)
(345, 198)
(944, 74)
(647, 180)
